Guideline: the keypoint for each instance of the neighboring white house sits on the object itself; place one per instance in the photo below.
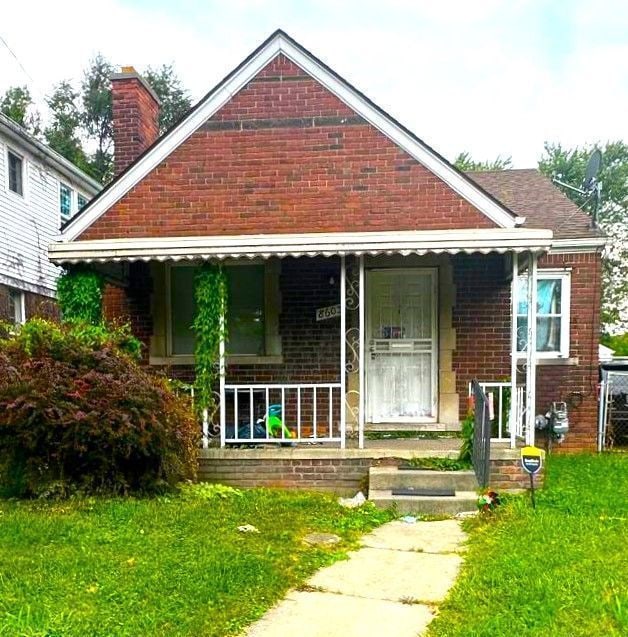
(39, 190)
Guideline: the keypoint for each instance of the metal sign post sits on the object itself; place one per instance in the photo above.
(532, 461)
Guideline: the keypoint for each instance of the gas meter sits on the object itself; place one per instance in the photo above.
(555, 421)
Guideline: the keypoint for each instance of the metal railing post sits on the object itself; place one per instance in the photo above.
(343, 351)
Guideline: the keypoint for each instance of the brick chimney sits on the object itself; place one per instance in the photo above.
(135, 116)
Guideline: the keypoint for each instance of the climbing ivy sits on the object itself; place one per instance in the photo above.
(210, 291)
(79, 293)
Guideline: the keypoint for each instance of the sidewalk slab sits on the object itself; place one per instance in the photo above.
(443, 536)
(391, 575)
(316, 614)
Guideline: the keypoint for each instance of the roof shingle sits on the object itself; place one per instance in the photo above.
(530, 194)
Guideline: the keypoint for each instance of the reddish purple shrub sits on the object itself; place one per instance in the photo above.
(78, 412)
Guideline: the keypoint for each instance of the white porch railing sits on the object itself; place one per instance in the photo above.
(282, 413)
(500, 392)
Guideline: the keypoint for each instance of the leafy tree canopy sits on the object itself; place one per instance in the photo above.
(466, 163)
(175, 100)
(81, 121)
(17, 104)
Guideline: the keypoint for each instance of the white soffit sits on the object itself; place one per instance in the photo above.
(281, 43)
(299, 245)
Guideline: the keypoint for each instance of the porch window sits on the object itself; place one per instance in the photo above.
(552, 335)
(245, 310)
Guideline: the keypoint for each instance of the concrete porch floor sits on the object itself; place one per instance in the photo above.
(404, 448)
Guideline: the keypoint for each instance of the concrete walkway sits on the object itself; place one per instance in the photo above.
(391, 586)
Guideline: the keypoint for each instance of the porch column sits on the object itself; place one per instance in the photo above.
(513, 351)
(343, 351)
(531, 350)
(221, 372)
(361, 361)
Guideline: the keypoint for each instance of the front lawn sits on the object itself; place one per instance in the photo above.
(559, 570)
(169, 566)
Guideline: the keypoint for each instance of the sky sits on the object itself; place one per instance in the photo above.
(491, 77)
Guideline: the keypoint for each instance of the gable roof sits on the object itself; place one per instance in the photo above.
(280, 43)
(529, 193)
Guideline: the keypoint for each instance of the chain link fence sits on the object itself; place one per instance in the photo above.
(614, 416)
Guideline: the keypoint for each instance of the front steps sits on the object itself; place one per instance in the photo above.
(461, 484)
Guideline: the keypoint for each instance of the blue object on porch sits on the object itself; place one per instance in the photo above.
(244, 430)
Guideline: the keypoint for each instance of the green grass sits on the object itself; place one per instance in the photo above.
(166, 566)
(559, 570)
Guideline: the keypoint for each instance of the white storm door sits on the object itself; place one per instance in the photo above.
(401, 366)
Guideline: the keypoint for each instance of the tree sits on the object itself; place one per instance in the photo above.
(63, 131)
(97, 116)
(17, 104)
(612, 217)
(174, 99)
(466, 163)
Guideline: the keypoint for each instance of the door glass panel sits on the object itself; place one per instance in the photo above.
(400, 366)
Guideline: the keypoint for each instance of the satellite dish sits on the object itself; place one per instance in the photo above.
(591, 188)
(593, 168)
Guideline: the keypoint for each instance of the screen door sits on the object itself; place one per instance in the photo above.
(401, 364)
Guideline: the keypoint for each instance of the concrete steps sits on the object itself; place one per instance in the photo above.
(463, 484)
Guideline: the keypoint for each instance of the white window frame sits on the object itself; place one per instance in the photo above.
(565, 315)
(12, 151)
(63, 219)
(19, 305)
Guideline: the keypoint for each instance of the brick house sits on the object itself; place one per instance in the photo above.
(369, 280)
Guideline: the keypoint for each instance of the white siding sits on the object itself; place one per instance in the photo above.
(29, 223)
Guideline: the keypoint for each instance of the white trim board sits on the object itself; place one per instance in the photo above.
(280, 43)
(313, 244)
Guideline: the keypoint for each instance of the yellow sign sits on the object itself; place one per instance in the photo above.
(532, 459)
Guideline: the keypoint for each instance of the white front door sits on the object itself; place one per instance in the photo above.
(401, 366)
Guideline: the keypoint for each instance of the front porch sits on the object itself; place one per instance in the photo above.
(331, 336)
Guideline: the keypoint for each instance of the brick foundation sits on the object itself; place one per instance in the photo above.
(36, 305)
(343, 476)
(507, 475)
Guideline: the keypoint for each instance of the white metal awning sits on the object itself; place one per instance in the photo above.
(298, 245)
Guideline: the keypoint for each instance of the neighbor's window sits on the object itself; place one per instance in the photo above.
(16, 173)
(65, 201)
(17, 312)
(245, 309)
(80, 201)
(552, 323)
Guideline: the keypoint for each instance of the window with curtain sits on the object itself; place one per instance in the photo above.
(552, 326)
(245, 310)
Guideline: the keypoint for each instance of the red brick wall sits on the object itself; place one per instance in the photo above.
(482, 322)
(285, 155)
(135, 120)
(132, 304)
(343, 476)
(577, 385)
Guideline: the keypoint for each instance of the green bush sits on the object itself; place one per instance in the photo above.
(79, 293)
(77, 412)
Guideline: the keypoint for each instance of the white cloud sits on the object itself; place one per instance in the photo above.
(490, 77)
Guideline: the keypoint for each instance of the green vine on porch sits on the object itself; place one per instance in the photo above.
(79, 293)
(210, 291)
